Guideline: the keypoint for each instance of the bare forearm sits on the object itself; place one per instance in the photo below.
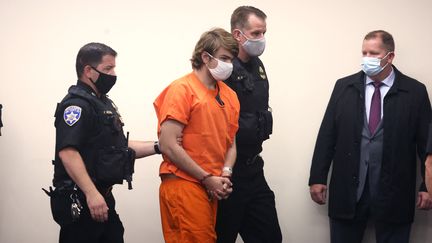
(76, 169)
(142, 148)
(231, 155)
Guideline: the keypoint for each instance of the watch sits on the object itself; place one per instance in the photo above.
(156, 147)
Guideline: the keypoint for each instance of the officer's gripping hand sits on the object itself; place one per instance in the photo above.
(318, 193)
(97, 206)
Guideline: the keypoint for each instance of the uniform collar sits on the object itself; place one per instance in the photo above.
(250, 62)
(86, 87)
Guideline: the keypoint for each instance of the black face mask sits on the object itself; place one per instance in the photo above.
(104, 82)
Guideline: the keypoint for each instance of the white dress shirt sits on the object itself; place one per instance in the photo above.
(387, 83)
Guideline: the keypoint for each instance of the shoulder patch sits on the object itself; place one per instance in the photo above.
(72, 114)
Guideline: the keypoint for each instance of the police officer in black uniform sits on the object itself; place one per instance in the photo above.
(92, 153)
(250, 210)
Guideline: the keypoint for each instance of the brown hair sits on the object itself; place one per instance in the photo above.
(210, 42)
(91, 54)
(386, 38)
(240, 16)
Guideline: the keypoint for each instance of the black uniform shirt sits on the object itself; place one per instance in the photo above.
(75, 121)
(249, 81)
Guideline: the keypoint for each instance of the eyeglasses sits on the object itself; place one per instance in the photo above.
(218, 98)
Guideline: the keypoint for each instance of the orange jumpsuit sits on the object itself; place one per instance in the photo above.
(209, 129)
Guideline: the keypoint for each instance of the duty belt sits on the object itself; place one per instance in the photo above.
(67, 185)
(64, 185)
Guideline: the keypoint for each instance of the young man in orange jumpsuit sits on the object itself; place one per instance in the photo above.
(204, 111)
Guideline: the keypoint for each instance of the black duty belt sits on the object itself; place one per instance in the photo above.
(64, 185)
(68, 185)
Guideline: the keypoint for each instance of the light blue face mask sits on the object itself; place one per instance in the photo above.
(371, 66)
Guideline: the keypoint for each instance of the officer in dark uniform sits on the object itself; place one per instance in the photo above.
(250, 210)
(92, 153)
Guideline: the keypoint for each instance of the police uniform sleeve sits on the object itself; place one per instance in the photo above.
(74, 124)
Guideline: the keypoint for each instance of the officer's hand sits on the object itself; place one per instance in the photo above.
(424, 201)
(97, 206)
(318, 193)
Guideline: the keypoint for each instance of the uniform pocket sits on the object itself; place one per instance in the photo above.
(110, 166)
(248, 128)
(265, 125)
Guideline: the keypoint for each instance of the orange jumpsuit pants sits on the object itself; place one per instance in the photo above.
(187, 214)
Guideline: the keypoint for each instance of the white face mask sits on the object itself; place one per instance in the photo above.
(371, 66)
(254, 47)
(222, 71)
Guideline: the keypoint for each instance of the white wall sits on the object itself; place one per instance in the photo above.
(310, 45)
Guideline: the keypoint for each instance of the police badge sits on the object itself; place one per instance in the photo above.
(72, 114)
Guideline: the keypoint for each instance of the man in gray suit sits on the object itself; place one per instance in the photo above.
(375, 123)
